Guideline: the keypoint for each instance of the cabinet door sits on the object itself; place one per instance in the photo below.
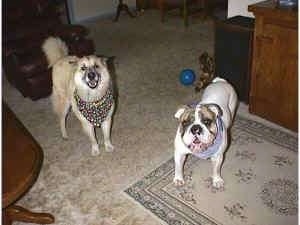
(274, 94)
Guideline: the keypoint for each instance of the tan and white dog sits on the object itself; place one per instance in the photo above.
(204, 127)
(83, 84)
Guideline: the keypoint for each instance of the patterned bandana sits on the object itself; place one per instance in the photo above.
(215, 146)
(95, 112)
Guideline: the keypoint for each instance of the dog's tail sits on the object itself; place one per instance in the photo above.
(207, 69)
(54, 49)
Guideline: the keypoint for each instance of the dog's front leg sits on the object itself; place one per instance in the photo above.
(106, 129)
(90, 131)
(179, 158)
(217, 181)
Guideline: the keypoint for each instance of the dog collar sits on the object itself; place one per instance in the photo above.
(97, 111)
(215, 146)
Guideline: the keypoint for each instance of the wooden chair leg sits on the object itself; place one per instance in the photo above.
(162, 12)
(138, 4)
(118, 13)
(185, 13)
(18, 213)
(126, 8)
(207, 10)
(162, 16)
(121, 7)
(184, 9)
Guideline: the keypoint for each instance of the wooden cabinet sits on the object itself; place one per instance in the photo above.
(274, 78)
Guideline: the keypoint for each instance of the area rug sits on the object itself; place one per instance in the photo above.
(260, 173)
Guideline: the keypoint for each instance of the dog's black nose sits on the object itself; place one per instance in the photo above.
(196, 129)
(91, 75)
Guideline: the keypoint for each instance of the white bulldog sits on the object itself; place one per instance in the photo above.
(204, 127)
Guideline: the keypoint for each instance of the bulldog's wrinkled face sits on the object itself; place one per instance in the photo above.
(198, 126)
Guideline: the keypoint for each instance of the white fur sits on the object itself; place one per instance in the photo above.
(55, 48)
(221, 93)
(67, 76)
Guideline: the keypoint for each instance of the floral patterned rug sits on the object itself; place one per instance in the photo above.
(261, 188)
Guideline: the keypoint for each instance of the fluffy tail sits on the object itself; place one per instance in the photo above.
(54, 49)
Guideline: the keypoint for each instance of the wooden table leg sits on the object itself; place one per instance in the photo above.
(18, 213)
(139, 5)
(6, 220)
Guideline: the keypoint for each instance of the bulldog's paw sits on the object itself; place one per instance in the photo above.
(178, 182)
(217, 182)
(64, 135)
(95, 150)
(109, 147)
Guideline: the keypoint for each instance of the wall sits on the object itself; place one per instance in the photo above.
(240, 7)
(83, 10)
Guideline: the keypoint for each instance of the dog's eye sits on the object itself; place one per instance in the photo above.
(188, 120)
(207, 122)
(83, 68)
(191, 117)
(96, 66)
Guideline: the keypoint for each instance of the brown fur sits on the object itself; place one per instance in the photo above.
(207, 114)
(207, 71)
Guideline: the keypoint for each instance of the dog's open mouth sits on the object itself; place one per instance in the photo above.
(92, 83)
(198, 146)
(92, 78)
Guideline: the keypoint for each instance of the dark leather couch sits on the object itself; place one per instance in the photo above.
(26, 24)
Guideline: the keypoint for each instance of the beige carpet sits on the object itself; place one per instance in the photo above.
(84, 190)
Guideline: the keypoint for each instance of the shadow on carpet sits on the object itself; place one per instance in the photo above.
(260, 173)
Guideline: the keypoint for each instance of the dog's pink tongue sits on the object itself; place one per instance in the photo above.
(197, 146)
(196, 141)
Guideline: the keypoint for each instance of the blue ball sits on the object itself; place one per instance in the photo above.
(187, 77)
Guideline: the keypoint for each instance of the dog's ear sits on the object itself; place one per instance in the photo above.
(215, 108)
(183, 113)
(106, 59)
(73, 61)
(103, 60)
(179, 112)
